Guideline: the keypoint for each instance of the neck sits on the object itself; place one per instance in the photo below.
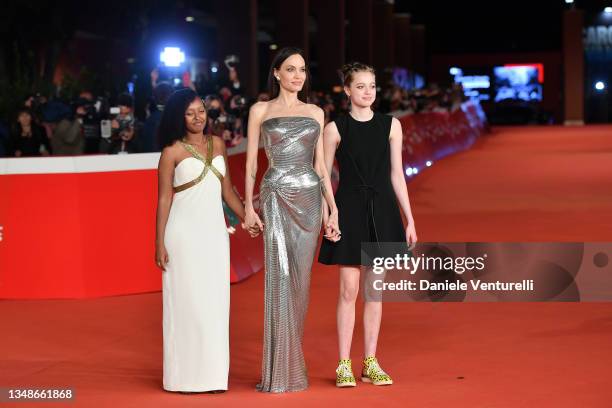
(288, 99)
(194, 138)
(361, 112)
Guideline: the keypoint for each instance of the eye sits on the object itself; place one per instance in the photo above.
(290, 69)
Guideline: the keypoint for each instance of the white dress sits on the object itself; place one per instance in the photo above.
(196, 281)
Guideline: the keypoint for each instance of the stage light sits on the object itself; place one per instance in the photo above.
(273, 47)
(608, 10)
(214, 70)
(455, 71)
(600, 85)
(172, 56)
(177, 81)
(189, 19)
(409, 171)
(415, 170)
(429, 163)
(569, 1)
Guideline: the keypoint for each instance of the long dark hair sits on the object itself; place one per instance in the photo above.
(172, 123)
(279, 58)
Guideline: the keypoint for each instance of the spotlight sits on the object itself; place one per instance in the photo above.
(273, 47)
(428, 164)
(172, 56)
(455, 71)
(214, 70)
(415, 170)
(608, 10)
(189, 19)
(600, 85)
(177, 81)
(409, 171)
(569, 1)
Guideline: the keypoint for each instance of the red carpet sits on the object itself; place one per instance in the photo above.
(519, 184)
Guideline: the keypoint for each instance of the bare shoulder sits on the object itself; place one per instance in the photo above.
(169, 154)
(258, 109)
(331, 128)
(315, 111)
(396, 128)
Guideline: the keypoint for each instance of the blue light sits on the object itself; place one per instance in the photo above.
(600, 85)
(409, 171)
(415, 170)
(130, 87)
(608, 10)
(172, 56)
(177, 81)
(569, 1)
(214, 70)
(456, 71)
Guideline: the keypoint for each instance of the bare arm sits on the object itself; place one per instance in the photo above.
(397, 172)
(255, 117)
(324, 161)
(229, 194)
(331, 139)
(323, 165)
(165, 173)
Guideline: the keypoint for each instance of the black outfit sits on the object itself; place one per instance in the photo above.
(29, 146)
(367, 206)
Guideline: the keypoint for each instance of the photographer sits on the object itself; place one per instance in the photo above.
(90, 121)
(67, 139)
(123, 137)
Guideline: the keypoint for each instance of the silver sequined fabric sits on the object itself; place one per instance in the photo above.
(291, 205)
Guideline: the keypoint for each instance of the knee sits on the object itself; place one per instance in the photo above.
(348, 293)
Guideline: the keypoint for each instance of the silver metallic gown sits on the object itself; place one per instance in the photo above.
(290, 195)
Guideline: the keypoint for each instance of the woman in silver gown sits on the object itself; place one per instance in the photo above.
(290, 198)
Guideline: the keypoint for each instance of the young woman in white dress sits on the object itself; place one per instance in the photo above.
(192, 247)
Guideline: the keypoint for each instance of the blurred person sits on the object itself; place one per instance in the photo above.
(67, 139)
(4, 139)
(28, 139)
(122, 127)
(149, 141)
(263, 97)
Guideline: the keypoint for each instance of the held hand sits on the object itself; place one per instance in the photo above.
(411, 236)
(332, 230)
(253, 232)
(253, 223)
(161, 257)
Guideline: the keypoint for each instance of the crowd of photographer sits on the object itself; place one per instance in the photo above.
(89, 125)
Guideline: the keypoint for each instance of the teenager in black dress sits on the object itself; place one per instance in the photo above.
(368, 147)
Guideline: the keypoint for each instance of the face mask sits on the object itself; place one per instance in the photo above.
(214, 114)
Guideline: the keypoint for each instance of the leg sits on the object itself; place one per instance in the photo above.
(372, 314)
(345, 312)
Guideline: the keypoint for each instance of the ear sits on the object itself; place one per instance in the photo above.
(347, 91)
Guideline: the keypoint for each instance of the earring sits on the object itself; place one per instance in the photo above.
(278, 78)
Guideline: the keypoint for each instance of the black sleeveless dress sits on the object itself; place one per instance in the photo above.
(367, 206)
